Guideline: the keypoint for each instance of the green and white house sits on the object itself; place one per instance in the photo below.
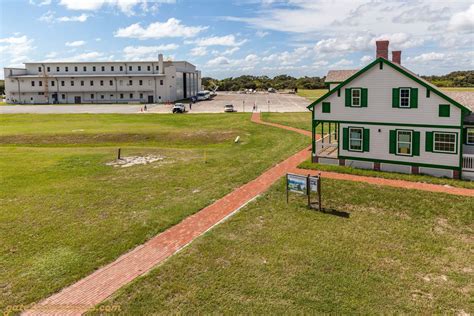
(384, 117)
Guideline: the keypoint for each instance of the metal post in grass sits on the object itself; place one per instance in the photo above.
(308, 190)
(118, 154)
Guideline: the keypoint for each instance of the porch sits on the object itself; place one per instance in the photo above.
(327, 145)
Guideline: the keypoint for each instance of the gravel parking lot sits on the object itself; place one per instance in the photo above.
(273, 102)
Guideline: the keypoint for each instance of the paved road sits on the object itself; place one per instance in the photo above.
(242, 103)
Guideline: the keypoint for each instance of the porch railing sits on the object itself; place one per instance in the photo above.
(468, 162)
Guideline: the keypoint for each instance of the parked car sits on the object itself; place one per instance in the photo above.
(229, 108)
(271, 90)
(179, 108)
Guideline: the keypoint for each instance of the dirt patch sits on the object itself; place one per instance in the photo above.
(126, 162)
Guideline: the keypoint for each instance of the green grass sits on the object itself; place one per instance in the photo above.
(388, 175)
(300, 120)
(400, 251)
(64, 213)
(459, 89)
(311, 95)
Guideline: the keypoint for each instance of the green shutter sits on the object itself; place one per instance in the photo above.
(326, 107)
(429, 142)
(338, 92)
(345, 138)
(427, 92)
(395, 97)
(348, 97)
(414, 97)
(444, 110)
(393, 141)
(364, 97)
(416, 143)
(366, 139)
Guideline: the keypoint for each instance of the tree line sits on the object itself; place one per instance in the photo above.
(282, 82)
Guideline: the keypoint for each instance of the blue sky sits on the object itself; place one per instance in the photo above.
(231, 38)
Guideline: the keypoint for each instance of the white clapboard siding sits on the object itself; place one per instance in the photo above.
(379, 83)
(379, 147)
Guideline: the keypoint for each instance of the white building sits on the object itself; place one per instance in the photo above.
(102, 82)
(384, 117)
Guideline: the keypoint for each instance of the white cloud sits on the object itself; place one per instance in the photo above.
(218, 61)
(75, 43)
(399, 40)
(427, 57)
(227, 40)
(252, 58)
(157, 30)
(79, 18)
(261, 34)
(40, 3)
(463, 21)
(50, 17)
(15, 49)
(367, 58)
(199, 51)
(342, 63)
(125, 6)
(342, 44)
(230, 51)
(146, 52)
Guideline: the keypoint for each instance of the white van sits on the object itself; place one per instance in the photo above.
(203, 95)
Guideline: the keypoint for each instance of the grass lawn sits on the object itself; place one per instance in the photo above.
(459, 89)
(311, 95)
(64, 213)
(388, 175)
(400, 251)
(300, 120)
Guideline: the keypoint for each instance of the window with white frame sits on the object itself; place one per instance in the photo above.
(356, 93)
(355, 138)
(470, 136)
(404, 142)
(404, 97)
(444, 142)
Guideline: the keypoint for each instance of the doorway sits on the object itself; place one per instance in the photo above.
(77, 100)
(150, 99)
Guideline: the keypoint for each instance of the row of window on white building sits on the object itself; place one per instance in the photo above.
(91, 83)
(94, 68)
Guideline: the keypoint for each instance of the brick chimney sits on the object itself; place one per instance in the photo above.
(397, 56)
(382, 49)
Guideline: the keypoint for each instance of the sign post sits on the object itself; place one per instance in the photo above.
(304, 185)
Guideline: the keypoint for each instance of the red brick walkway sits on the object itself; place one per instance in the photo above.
(95, 288)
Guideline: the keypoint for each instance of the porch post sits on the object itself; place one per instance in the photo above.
(322, 132)
(330, 133)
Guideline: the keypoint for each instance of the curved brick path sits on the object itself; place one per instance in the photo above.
(95, 288)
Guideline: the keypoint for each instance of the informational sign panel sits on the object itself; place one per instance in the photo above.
(313, 184)
(297, 183)
(304, 185)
